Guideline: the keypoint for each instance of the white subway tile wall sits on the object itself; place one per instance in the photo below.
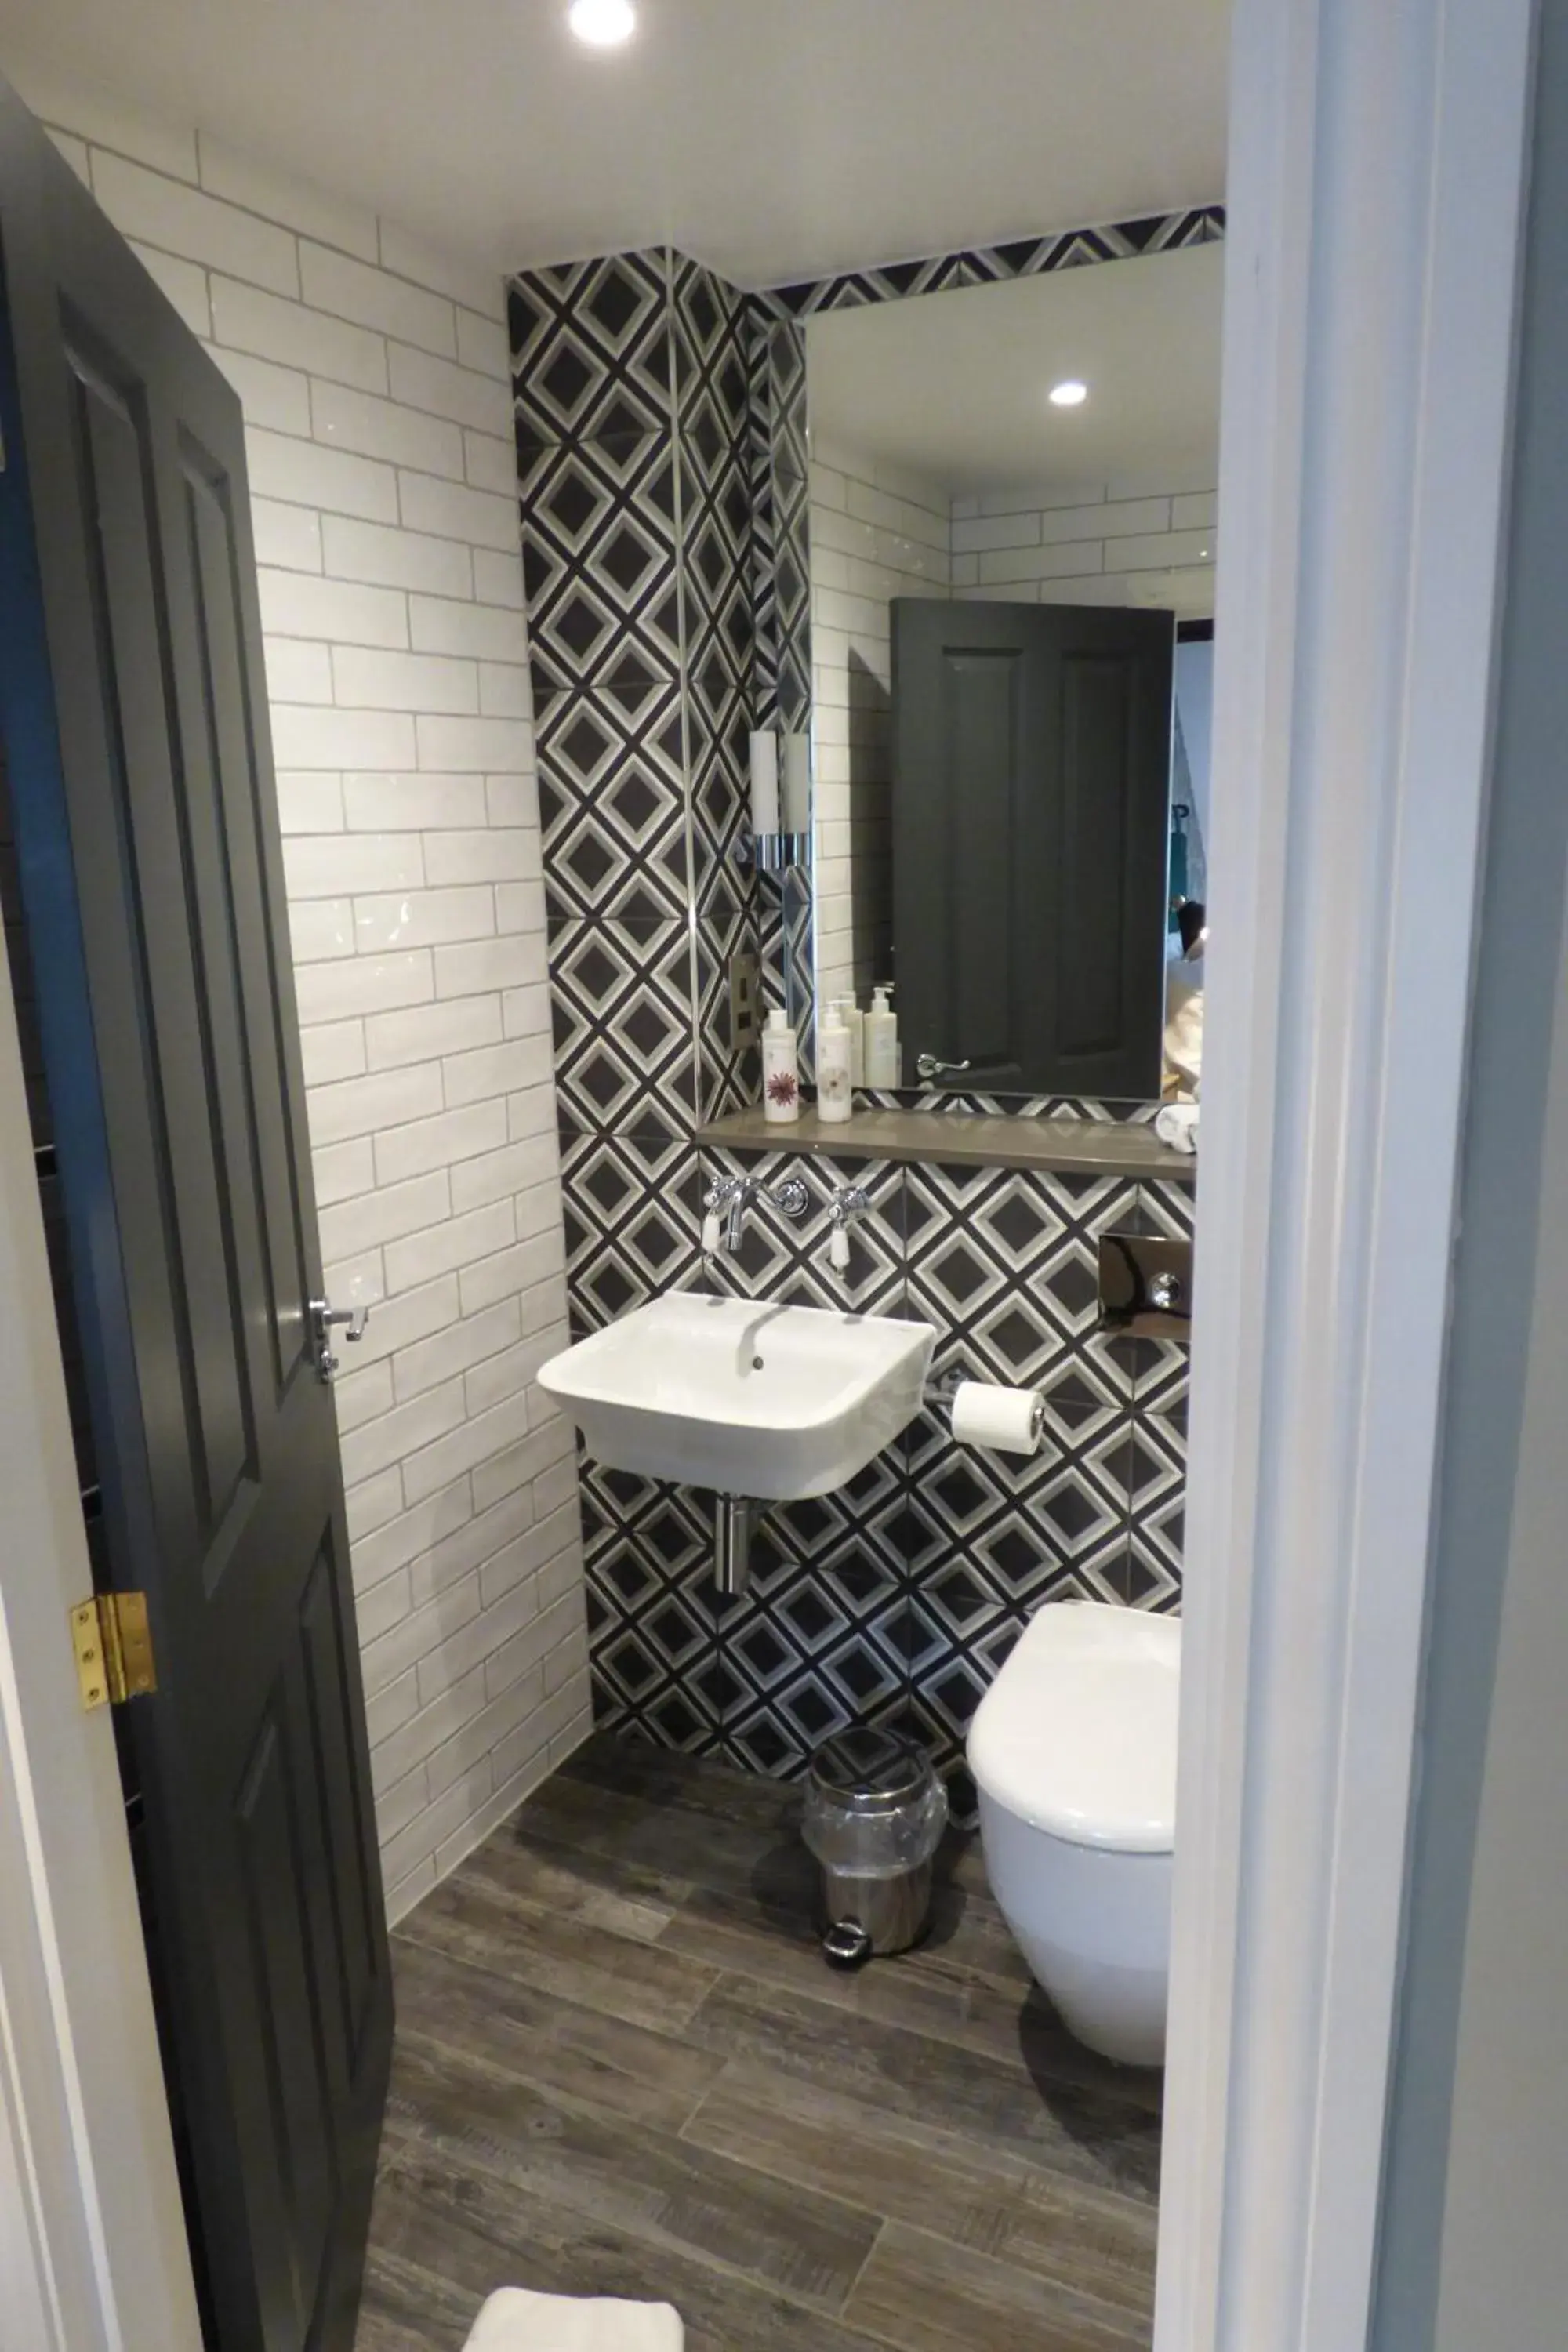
(1132, 541)
(378, 406)
(875, 534)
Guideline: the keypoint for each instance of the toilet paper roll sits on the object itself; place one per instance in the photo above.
(1009, 1420)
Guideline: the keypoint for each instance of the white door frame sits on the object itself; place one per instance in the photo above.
(1378, 153)
(1377, 161)
(93, 2255)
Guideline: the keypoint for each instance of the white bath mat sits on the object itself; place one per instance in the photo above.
(516, 2321)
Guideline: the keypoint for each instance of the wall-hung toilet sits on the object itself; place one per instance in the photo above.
(1073, 1751)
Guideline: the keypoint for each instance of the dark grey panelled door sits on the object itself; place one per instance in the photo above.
(134, 716)
(1031, 788)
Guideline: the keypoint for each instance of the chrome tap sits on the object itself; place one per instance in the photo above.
(846, 1205)
(730, 1197)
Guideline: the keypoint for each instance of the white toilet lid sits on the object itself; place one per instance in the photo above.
(1077, 1732)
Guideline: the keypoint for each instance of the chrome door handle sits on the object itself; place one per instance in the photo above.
(928, 1067)
(323, 1317)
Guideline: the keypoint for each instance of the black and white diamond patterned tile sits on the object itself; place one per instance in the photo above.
(631, 1209)
(711, 318)
(719, 670)
(585, 736)
(613, 813)
(621, 1004)
(718, 616)
(792, 594)
(777, 467)
(1169, 1209)
(784, 356)
(785, 945)
(600, 565)
(712, 438)
(590, 347)
(723, 880)
(855, 287)
(903, 1593)
(820, 1641)
(1016, 1525)
(760, 325)
(1162, 1377)
(1026, 257)
(726, 1080)
(1005, 1262)
(651, 1622)
(1159, 1484)
(577, 491)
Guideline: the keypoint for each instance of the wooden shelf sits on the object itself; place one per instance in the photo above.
(1090, 1147)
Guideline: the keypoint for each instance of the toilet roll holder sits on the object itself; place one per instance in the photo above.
(939, 1393)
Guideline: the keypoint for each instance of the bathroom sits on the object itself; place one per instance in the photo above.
(638, 1363)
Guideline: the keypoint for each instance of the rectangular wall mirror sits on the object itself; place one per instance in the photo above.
(1012, 546)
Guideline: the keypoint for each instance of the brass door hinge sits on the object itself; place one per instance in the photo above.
(113, 1649)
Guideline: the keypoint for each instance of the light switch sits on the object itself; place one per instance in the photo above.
(745, 992)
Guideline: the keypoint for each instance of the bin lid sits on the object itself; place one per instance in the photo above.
(871, 1772)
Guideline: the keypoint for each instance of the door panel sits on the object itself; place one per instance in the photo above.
(256, 917)
(176, 1059)
(1096, 780)
(134, 716)
(984, 717)
(346, 1924)
(1031, 786)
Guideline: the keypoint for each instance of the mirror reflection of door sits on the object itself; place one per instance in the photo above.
(1030, 930)
(1031, 766)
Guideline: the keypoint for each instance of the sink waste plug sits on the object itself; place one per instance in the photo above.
(875, 1812)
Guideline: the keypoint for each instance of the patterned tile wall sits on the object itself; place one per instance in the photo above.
(660, 426)
(897, 1598)
(778, 468)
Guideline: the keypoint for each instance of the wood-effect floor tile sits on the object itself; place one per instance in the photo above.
(991, 2199)
(622, 2068)
(469, 1917)
(924, 2294)
(475, 2119)
(922, 1991)
(1083, 2134)
(470, 2233)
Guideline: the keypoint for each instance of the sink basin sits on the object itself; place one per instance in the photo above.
(747, 1398)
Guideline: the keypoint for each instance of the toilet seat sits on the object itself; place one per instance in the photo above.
(1078, 1734)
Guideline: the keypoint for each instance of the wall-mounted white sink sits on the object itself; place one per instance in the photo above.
(749, 1399)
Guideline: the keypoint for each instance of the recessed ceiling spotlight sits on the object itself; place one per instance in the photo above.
(1069, 393)
(603, 24)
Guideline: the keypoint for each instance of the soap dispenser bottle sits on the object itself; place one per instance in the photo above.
(781, 1070)
(882, 1068)
(833, 1097)
(854, 1020)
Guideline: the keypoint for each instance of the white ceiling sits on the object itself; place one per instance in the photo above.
(773, 139)
(953, 387)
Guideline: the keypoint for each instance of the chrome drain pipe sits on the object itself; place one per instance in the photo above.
(735, 1518)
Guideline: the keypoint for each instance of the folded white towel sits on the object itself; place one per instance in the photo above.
(1177, 1124)
(515, 2321)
